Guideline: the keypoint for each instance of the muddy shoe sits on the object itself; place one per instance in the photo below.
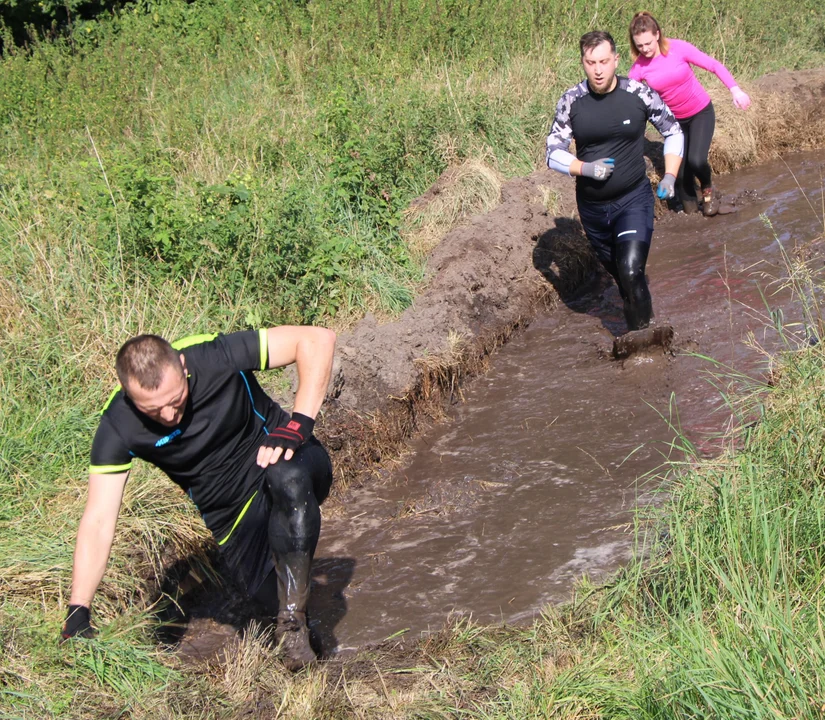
(639, 341)
(711, 200)
(293, 640)
(690, 205)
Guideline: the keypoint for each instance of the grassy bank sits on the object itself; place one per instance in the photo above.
(183, 167)
(723, 619)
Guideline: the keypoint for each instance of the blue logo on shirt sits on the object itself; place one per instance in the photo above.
(166, 440)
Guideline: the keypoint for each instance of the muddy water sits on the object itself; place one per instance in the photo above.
(532, 482)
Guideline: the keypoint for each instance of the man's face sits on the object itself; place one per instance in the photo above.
(166, 403)
(600, 64)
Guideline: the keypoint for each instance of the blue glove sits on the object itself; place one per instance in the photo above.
(666, 189)
(598, 170)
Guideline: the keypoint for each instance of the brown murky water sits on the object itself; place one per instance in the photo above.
(532, 482)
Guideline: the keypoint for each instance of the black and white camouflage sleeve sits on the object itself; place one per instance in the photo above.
(561, 132)
(660, 116)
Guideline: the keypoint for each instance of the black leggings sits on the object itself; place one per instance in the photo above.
(609, 227)
(296, 488)
(627, 266)
(281, 528)
(698, 130)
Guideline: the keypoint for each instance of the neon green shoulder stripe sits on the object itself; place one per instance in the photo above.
(106, 469)
(111, 397)
(263, 340)
(193, 340)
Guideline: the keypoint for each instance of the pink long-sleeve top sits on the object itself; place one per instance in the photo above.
(672, 77)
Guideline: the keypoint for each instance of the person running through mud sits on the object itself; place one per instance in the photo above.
(256, 474)
(606, 115)
(665, 65)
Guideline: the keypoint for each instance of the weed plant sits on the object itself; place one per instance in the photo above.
(180, 167)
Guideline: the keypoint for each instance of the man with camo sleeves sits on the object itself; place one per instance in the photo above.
(606, 115)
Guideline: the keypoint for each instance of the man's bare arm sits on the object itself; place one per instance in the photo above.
(312, 350)
(95, 535)
(672, 163)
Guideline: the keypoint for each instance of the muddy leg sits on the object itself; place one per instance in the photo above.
(296, 488)
(631, 257)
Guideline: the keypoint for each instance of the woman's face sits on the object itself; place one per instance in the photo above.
(647, 43)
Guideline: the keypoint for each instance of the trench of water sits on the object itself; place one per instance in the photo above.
(532, 481)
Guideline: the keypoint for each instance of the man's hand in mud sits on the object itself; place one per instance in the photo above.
(285, 439)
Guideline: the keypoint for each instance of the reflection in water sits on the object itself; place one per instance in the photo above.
(532, 482)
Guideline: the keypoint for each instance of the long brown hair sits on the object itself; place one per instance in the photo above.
(645, 22)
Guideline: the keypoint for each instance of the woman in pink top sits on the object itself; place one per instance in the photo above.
(665, 65)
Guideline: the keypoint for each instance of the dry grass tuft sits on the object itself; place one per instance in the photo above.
(773, 125)
(551, 199)
(244, 661)
(463, 190)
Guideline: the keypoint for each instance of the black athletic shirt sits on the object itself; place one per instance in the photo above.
(212, 453)
(610, 126)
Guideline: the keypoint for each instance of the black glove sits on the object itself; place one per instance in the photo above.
(292, 435)
(77, 623)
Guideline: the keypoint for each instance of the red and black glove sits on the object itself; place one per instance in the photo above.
(292, 435)
(77, 623)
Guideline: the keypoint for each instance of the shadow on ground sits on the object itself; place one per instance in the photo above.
(199, 613)
(562, 255)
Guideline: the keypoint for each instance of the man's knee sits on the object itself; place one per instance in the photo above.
(288, 478)
(309, 469)
(630, 272)
(630, 263)
(295, 517)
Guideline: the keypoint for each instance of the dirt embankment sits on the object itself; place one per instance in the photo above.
(487, 278)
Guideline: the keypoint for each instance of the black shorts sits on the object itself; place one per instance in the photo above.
(247, 550)
(629, 217)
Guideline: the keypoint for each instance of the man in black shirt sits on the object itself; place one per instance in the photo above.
(606, 116)
(257, 475)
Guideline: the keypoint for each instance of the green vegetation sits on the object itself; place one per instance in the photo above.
(723, 619)
(184, 167)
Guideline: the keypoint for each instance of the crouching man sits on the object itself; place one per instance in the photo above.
(194, 409)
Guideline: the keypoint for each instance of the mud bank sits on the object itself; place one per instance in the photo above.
(487, 278)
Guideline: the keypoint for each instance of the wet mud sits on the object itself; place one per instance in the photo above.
(531, 482)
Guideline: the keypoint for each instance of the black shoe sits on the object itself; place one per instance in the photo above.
(293, 640)
(690, 205)
(711, 200)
